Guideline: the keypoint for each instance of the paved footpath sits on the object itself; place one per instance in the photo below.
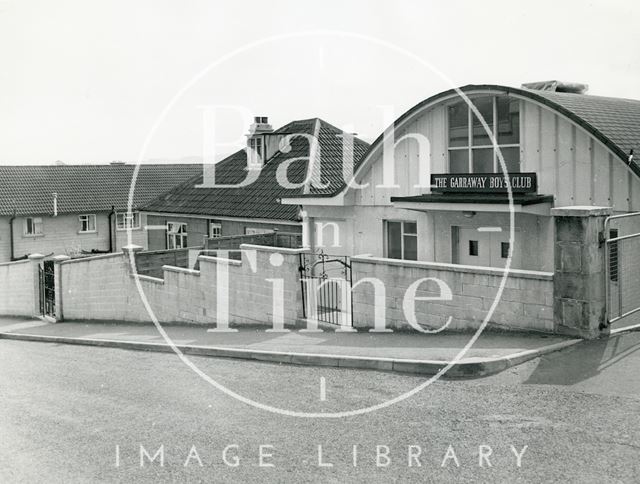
(405, 352)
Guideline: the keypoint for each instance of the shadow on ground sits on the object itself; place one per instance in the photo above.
(585, 360)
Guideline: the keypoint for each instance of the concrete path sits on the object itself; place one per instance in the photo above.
(405, 352)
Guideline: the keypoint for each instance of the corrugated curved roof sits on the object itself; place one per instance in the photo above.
(613, 121)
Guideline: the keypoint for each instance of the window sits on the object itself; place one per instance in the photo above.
(470, 147)
(33, 226)
(87, 223)
(128, 220)
(256, 145)
(215, 229)
(256, 231)
(473, 248)
(402, 240)
(176, 235)
(504, 250)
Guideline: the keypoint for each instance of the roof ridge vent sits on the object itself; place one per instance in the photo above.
(557, 86)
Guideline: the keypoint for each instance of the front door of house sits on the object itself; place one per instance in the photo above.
(485, 248)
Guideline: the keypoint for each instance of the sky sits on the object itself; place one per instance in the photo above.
(88, 81)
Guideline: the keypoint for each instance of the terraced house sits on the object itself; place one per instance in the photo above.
(77, 210)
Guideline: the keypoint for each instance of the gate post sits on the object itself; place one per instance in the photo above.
(58, 283)
(36, 260)
(579, 280)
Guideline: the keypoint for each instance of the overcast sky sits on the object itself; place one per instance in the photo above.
(85, 81)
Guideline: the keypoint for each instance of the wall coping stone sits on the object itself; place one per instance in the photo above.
(268, 248)
(581, 211)
(93, 257)
(182, 270)
(15, 262)
(143, 277)
(443, 266)
(132, 248)
(215, 260)
(36, 256)
(60, 258)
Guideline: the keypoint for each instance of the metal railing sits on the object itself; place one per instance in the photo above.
(622, 259)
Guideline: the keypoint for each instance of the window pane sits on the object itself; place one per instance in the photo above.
(504, 249)
(459, 161)
(410, 247)
(459, 124)
(473, 248)
(511, 159)
(483, 160)
(410, 228)
(394, 240)
(508, 120)
(480, 135)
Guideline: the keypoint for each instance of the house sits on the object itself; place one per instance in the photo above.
(78, 209)
(274, 164)
(442, 197)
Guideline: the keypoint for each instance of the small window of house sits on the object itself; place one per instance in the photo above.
(473, 248)
(402, 240)
(471, 148)
(128, 220)
(215, 229)
(87, 223)
(33, 226)
(176, 235)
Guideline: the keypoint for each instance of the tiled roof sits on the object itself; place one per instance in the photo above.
(28, 190)
(261, 199)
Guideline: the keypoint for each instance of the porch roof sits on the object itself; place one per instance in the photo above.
(479, 202)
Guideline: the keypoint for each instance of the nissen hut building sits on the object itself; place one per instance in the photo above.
(561, 147)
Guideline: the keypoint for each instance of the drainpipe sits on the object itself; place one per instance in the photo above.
(11, 219)
(112, 232)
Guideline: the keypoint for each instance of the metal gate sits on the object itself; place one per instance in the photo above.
(622, 256)
(326, 288)
(47, 289)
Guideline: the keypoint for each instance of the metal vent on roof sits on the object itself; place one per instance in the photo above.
(557, 86)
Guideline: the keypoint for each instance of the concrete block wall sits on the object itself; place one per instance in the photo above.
(526, 303)
(104, 288)
(19, 288)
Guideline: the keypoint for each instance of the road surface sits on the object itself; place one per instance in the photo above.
(82, 414)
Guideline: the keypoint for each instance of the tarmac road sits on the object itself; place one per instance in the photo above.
(81, 414)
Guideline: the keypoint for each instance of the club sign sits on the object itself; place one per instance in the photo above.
(484, 183)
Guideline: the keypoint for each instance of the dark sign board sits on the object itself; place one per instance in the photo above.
(484, 183)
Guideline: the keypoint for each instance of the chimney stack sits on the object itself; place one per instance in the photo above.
(257, 141)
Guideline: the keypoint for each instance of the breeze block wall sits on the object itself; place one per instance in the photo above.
(104, 288)
(19, 287)
(526, 303)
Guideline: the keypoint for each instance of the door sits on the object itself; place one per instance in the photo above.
(474, 247)
(482, 248)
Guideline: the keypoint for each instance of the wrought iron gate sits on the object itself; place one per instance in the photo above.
(47, 289)
(622, 256)
(326, 288)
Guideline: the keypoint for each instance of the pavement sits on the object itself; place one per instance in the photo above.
(416, 353)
